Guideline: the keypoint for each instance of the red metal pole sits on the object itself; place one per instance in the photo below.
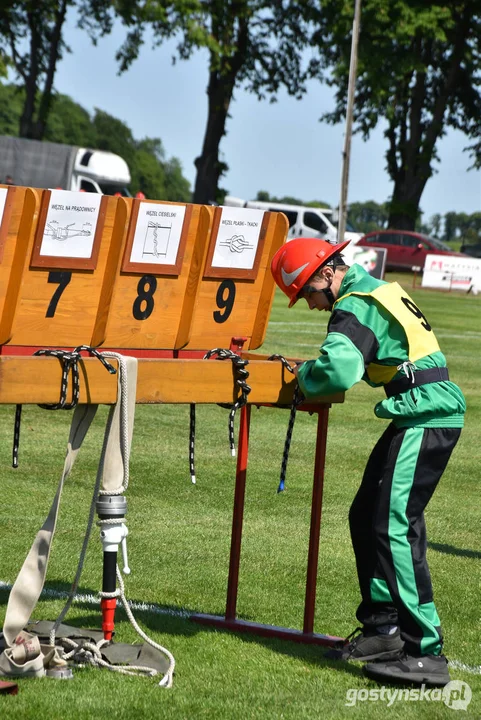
(238, 513)
(316, 512)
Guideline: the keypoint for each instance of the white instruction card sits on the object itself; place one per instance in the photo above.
(71, 223)
(237, 238)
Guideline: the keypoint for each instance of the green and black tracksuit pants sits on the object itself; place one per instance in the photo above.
(389, 534)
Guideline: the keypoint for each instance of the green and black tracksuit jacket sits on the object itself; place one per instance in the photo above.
(377, 333)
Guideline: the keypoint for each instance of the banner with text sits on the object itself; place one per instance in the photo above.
(449, 272)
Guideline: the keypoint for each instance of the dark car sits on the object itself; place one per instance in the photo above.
(405, 249)
(472, 250)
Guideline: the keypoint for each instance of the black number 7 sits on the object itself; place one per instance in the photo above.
(63, 278)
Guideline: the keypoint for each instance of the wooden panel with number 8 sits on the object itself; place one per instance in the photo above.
(235, 300)
(59, 305)
(157, 286)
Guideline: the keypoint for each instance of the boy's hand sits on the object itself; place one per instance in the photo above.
(296, 368)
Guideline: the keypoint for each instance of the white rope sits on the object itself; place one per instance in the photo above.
(91, 653)
(408, 369)
(95, 657)
(124, 429)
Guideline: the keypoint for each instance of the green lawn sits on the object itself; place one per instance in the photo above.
(180, 536)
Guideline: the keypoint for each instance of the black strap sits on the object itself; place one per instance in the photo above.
(421, 377)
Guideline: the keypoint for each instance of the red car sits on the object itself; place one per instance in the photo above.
(405, 249)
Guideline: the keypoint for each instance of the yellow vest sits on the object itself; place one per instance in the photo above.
(420, 337)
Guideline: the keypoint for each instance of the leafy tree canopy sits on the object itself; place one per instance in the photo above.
(152, 172)
(256, 44)
(32, 43)
(420, 70)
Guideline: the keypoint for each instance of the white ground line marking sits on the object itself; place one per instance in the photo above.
(94, 600)
(182, 613)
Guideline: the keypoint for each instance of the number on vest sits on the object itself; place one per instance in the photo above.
(417, 312)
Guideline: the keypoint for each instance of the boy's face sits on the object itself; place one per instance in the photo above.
(311, 292)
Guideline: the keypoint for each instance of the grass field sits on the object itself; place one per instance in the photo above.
(180, 535)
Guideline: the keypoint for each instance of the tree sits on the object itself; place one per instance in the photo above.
(255, 44)
(152, 172)
(420, 70)
(367, 216)
(31, 41)
(264, 196)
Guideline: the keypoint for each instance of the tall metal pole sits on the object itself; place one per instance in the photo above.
(349, 115)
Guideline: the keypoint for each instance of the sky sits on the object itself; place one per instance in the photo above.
(282, 148)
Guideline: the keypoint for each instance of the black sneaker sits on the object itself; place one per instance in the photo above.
(427, 670)
(368, 645)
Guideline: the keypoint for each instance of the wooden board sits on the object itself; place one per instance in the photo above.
(153, 304)
(37, 380)
(16, 234)
(233, 303)
(60, 306)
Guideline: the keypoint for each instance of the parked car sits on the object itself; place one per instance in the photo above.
(405, 249)
(472, 250)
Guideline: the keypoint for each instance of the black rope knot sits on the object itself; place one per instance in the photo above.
(241, 374)
(69, 360)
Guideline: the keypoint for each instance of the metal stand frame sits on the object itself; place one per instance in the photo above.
(229, 621)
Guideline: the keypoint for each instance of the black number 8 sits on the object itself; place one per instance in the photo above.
(417, 312)
(145, 290)
(224, 302)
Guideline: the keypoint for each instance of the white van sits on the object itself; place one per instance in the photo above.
(304, 221)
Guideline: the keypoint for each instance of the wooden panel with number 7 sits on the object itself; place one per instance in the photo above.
(58, 302)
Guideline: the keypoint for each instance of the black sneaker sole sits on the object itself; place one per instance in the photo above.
(433, 679)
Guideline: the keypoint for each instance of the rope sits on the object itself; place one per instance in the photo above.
(90, 652)
(124, 426)
(16, 435)
(69, 361)
(98, 480)
(241, 375)
(192, 443)
(86, 653)
(296, 400)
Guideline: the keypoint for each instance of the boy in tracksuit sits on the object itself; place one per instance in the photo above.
(378, 334)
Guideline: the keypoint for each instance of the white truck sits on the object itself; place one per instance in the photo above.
(304, 221)
(69, 167)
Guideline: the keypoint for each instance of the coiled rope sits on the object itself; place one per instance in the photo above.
(241, 375)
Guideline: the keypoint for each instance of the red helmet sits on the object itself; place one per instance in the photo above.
(296, 261)
(140, 195)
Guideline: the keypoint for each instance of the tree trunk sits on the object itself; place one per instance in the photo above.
(53, 56)
(26, 129)
(219, 92)
(404, 205)
(410, 155)
(209, 167)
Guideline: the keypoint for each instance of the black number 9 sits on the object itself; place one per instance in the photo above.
(417, 312)
(225, 300)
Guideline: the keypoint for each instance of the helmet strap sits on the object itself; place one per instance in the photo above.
(329, 296)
